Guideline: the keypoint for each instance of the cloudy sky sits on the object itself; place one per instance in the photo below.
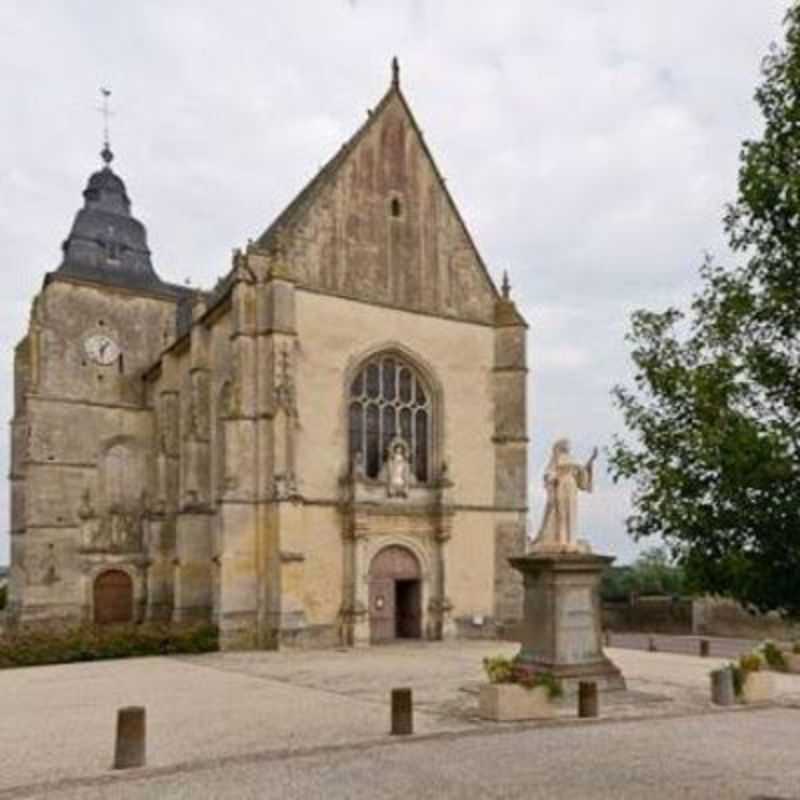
(590, 144)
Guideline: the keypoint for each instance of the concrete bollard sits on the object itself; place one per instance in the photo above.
(704, 648)
(588, 704)
(402, 712)
(651, 645)
(722, 693)
(130, 749)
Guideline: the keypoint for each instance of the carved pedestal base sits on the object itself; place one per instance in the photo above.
(561, 632)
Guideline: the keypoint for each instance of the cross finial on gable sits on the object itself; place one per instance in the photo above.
(395, 72)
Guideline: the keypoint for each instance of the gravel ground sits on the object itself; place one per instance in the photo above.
(57, 724)
(733, 755)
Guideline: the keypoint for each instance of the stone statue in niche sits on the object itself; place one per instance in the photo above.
(563, 478)
(397, 469)
(359, 470)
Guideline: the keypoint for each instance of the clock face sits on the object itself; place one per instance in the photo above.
(102, 349)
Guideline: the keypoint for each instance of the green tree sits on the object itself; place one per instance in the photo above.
(652, 573)
(715, 410)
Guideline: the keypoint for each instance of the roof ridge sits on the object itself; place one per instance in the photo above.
(307, 192)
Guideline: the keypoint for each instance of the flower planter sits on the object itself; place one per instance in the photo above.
(792, 661)
(505, 702)
(758, 687)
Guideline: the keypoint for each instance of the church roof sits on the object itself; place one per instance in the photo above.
(107, 244)
(294, 211)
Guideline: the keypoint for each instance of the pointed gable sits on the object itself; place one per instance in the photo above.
(378, 224)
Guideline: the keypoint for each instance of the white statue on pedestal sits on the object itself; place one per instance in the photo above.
(397, 469)
(562, 480)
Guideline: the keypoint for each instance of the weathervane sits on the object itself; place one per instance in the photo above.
(106, 153)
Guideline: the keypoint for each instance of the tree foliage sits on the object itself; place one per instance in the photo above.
(715, 410)
(652, 573)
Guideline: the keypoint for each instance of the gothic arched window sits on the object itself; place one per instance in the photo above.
(389, 399)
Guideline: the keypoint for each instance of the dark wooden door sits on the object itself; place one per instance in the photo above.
(113, 597)
(381, 610)
(408, 609)
(392, 567)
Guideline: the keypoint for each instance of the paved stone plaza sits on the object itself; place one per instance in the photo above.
(283, 724)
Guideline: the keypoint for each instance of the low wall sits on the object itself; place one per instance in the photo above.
(720, 617)
(649, 614)
(704, 616)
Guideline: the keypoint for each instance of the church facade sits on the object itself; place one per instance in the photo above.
(329, 447)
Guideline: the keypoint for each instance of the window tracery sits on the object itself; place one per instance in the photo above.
(389, 399)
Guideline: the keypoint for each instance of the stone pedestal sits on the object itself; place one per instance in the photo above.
(561, 632)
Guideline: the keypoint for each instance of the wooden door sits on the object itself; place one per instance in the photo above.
(391, 566)
(381, 610)
(113, 597)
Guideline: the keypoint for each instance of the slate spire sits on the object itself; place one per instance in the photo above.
(107, 244)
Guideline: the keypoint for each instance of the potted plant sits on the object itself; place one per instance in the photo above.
(774, 656)
(792, 658)
(506, 698)
(753, 683)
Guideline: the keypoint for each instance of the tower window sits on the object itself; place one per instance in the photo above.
(396, 207)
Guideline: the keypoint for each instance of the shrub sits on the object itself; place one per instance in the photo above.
(751, 662)
(90, 643)
(499, 669)
(545, 679)
(773, 655)
(737, 673)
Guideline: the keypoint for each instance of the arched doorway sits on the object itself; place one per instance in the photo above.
(395, 596)
(113, 597)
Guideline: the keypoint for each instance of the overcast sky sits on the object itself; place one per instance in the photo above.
(590, 145)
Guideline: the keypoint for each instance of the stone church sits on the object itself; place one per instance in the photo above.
(329, 447)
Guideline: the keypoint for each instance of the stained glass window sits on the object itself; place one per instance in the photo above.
(389, 399)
